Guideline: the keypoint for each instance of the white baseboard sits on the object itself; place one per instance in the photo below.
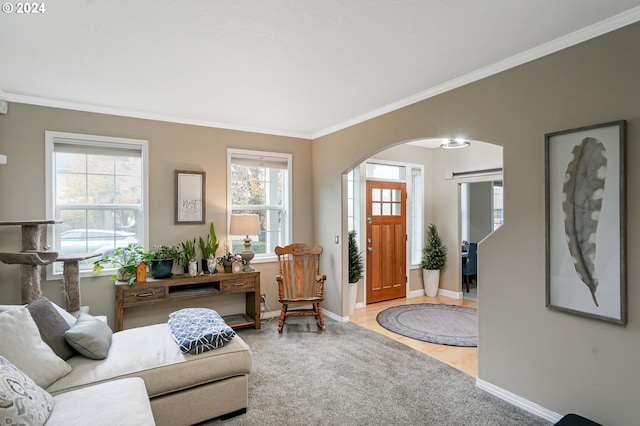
(441, 292)
(415, 293)
(328, 314)
(518, 401)
(451, 294)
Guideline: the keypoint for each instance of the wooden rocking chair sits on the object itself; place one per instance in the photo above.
(300, 282)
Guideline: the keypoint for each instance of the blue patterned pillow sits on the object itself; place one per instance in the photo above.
(198, 330)
(22, 402)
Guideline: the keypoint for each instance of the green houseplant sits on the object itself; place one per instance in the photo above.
(356, 269)
(434, 258)
(125, 258)
(227, 260)
(187, 252)
(209, 247)
(161, 258)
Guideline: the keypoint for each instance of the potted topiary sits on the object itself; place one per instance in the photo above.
(125, 258)
(161, 258)
(434, 258)
(209, 247)
(356, 268)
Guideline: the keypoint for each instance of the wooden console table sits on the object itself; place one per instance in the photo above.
(183, 287)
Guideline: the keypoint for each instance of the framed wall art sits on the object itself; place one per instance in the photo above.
(189, 197)
(585, 221)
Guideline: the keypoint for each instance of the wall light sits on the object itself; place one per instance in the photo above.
(452, 143)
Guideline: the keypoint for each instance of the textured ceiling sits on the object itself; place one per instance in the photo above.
(291, 67)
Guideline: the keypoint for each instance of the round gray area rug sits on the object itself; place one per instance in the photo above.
(434, 323)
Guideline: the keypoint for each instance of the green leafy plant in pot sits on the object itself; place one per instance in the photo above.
(434, 258)
(125, 259)
(356, 269)
(161, 258)
(209, 247)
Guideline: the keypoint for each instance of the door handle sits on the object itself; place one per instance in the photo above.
(369, 249)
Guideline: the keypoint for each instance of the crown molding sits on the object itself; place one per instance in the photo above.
(615, 22)
(101, 109)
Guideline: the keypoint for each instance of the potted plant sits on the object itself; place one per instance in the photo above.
(356, 268)
(227, 260)
(209, 247)
(434, 258)
(161, 258)
(187, 257)
(125, 258)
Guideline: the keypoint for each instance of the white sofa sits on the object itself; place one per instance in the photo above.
(180, 389)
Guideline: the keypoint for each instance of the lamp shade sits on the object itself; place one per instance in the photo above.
(244, 224)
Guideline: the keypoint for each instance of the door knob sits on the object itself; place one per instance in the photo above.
(369, 248)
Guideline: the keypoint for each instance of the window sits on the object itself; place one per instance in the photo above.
(97, 186)
(417, 214)
(386, 203)
(259, 183)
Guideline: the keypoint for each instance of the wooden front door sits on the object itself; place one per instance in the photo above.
(386, 246)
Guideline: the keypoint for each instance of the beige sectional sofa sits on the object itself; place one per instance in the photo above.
(181, 389)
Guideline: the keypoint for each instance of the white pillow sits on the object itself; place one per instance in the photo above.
(22, 402)
(22, 346)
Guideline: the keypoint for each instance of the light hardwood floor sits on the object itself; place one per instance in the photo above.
(462, 358)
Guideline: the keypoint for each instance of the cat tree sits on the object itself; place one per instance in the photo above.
(30, 259)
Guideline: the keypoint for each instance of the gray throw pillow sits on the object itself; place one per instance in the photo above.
(51, 326)
(22, 402)
(90, 336)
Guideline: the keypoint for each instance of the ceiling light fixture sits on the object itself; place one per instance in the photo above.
(454, 143)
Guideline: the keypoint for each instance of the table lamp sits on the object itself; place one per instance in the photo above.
(245, 224)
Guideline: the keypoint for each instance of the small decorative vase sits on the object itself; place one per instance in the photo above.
(193, 268)
(211, 265)
(227, 266)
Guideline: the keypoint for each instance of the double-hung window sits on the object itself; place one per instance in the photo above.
(260, 183)
(97, 187)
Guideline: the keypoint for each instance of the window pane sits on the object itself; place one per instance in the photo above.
(375, 209)
(97, 193)
(258, 186)
(386, 195)
(375, 194)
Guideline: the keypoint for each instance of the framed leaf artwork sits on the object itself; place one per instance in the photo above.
(585, 221)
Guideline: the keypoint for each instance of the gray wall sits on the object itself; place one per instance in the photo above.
(480, 213)
(562, 362)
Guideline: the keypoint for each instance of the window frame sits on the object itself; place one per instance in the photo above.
(85, 140)
(287, 188)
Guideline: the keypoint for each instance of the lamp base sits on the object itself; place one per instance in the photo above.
(246, 259)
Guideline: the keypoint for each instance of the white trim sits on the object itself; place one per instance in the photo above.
(518, 401)
(415, 293)
(123, 112)
(333, 316)
(451, 294)
(610, 24)
(613, 23)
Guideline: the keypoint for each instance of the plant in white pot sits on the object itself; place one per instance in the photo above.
(434, 258)
(356, 268)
